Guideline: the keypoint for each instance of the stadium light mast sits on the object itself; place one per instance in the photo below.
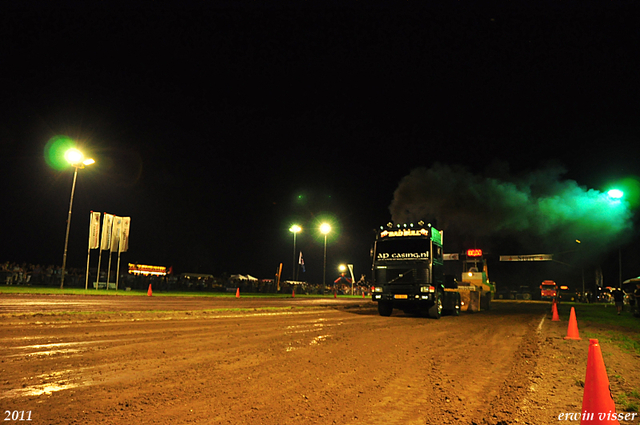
(325, 228)
(76, 159)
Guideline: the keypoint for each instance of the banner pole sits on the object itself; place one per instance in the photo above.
(94, 233)
(99, 263)
(86, 280)
(105, 243)
(118, 271)
(109, 270)
(278, 280)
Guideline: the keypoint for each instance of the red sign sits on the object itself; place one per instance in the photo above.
(474, 253)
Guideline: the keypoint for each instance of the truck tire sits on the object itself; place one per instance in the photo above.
(457, 307)
(486, 301)
(435, 311)
(385, 308)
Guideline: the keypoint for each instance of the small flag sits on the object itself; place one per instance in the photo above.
(124, 240)
(116, 233)
(107, 224)
(94, 230)
(301, 262)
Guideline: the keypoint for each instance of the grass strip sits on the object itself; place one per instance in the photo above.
(35, 290)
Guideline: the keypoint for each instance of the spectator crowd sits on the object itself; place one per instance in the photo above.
(33, 274)
(12, 273)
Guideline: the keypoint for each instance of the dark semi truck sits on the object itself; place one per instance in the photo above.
(408, 271)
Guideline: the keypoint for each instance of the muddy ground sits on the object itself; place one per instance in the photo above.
(160, 360)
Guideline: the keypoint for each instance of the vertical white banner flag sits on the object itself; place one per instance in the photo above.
(94, 230)
(124, 240)
(116, 233)
(107, 224)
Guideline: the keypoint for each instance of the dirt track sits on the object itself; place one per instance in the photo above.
(172, 360)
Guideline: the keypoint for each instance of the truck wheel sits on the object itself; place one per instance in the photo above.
(385, 308)
(435, 311)
(485, 303)
(457, 306)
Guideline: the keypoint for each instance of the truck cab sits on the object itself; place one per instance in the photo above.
(408, 271)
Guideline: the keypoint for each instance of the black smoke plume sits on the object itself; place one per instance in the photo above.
(540, 210)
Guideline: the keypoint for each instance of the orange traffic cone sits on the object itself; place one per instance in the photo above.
(572, 331)
(597, 405)
(363, 295)
(293, 293)
(149, 292)
(238, 293)
(554, 310)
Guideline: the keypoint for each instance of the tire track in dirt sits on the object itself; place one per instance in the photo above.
(506, 407)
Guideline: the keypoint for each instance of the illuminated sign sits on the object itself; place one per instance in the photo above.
(146, 270)
(403, 255)
(536, 257)
(474, 253)
(404, 233)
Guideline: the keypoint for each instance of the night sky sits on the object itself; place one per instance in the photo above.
(215, 126)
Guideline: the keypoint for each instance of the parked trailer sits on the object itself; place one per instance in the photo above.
(548, 290)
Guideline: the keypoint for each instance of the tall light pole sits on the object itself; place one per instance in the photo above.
(325, 228)
(578, 241)
(77, 160)
(617, 194)
(294, 229)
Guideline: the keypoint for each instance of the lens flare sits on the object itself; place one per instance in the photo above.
(55, 150)
(73, 156)
(615, 193)
(325, 228)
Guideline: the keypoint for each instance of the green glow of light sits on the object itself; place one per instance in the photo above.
(631, 187)
(55, 150)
